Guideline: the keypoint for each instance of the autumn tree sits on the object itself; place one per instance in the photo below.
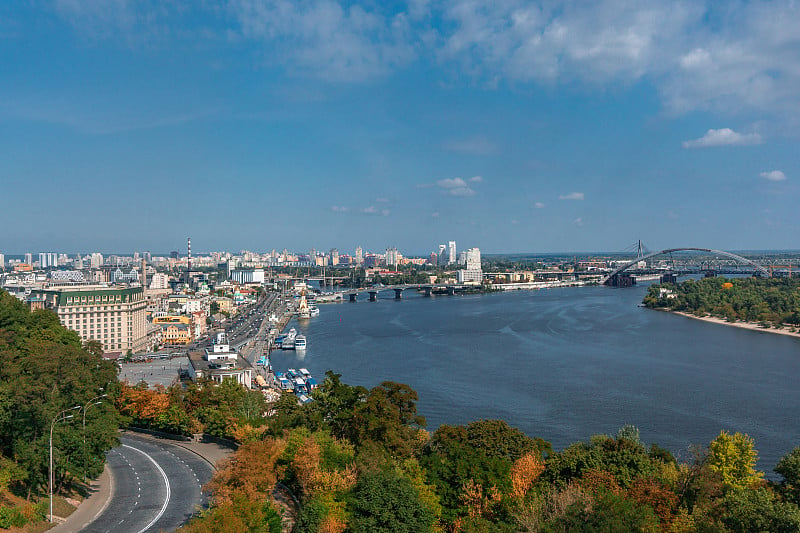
(734, 458)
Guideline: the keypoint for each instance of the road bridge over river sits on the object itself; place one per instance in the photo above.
(427, 288)
(615, 278)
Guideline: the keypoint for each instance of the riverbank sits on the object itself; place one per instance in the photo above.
(744, 325)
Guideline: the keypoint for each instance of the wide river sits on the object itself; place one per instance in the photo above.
(565, 364)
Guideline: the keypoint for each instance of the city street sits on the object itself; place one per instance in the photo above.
(156, 487)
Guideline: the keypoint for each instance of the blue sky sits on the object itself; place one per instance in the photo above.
(515, 127)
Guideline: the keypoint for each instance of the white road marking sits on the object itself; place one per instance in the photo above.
(166, 483)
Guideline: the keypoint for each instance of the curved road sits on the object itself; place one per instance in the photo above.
(156, 487)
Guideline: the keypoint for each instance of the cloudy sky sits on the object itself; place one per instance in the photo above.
(512, 126)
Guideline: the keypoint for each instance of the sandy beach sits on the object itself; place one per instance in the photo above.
(744, 325)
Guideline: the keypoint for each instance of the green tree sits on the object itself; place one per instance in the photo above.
(734, 458)
(758, 510)
(386, 501)
(789, 468)
(388, 416)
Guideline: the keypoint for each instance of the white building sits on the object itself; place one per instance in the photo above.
(159, 281)
(2, 261)
(473, 272)
(220, 363)
(248, 276)
(451, 252)
(96, 260)
(48, 260)
(359, 257)
(392, 257)
(473, 259)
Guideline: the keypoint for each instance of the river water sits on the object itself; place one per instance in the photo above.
(565, 364)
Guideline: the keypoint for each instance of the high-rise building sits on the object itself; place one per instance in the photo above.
(473, 259)
(28, 258)
(2, 261)
(96, 260)
(333, 257)
(359, 257)
(392, 257)
(48, 260)
(159, 281)
(473, 272)
(441, 255)
(451, 252)
(77, 264)
(113, 316)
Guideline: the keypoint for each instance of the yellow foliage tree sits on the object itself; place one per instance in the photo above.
(734, 458)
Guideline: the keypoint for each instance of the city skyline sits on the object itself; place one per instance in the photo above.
(516, 128)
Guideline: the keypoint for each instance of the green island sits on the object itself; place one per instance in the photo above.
(360, 460)
(766, 302)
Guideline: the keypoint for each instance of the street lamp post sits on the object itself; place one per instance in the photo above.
(58, 418)
(86, 407)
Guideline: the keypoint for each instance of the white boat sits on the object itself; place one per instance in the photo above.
(313, 310)
(300, 342)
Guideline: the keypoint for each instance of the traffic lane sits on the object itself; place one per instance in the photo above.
(186, 472)
(139, 495)
(157, 486)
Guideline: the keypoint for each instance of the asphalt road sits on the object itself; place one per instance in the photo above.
(156, 487)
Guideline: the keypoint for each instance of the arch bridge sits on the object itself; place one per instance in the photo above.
(758, 268)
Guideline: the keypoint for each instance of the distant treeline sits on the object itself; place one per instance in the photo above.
(768, 301)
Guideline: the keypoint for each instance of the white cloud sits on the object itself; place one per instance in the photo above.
(538, 205)
(325, 39)
(472, 146)
(727, 57)
(461, 191)
(457, 186)
(372, 210)
(382, 200)
(449, 183)
(723, 137)
(773, 175)
(578, 222)
(339, 209)
(730, 57)
(571, 196)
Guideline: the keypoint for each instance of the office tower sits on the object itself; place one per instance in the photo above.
(359, 255)
(29, 258)
(451, 252)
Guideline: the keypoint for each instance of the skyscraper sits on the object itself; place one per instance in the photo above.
(48, 260)
(29, 258)
(451, 252)
(359, 255)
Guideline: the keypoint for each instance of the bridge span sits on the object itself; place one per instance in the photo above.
(614, 275)
(427, 288)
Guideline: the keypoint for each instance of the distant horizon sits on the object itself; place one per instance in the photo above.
(409, 255)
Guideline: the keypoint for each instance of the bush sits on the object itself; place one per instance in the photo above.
(11, 517)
